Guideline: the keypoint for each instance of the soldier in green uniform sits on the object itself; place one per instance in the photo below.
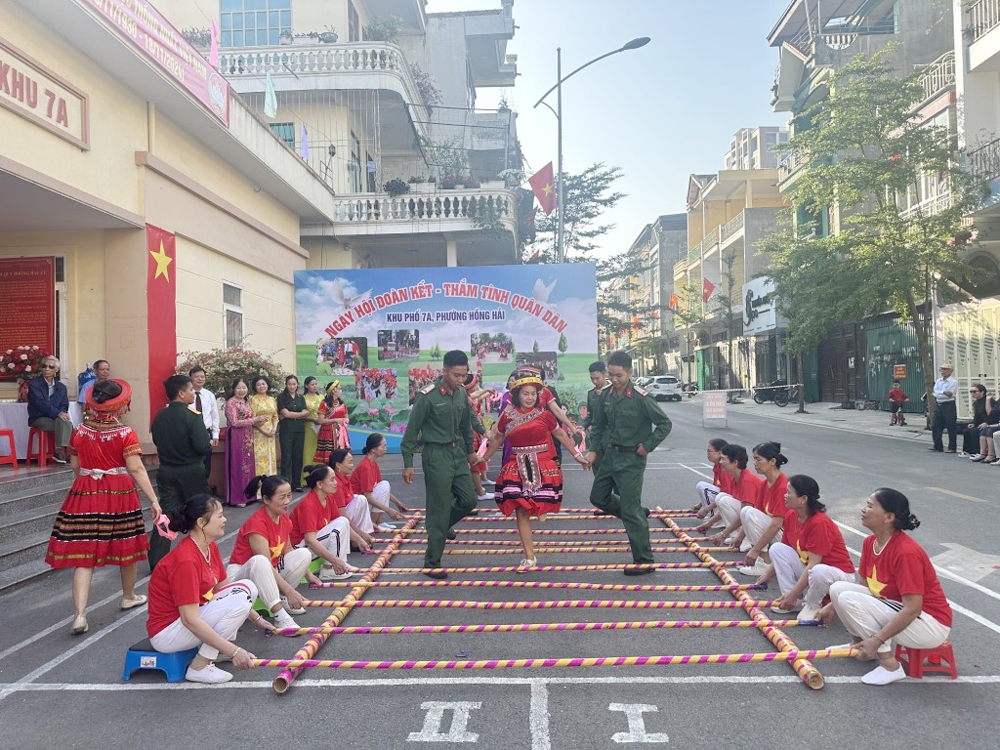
(181, 441)
(442, 419)
(599, 377)
(627, 426)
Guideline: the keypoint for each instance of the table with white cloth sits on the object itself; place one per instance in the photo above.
(14, 416)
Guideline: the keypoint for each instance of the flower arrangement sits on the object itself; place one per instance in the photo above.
(451, 181)
(22, 362)
(396, 187)
(380, 415)
(223, 366)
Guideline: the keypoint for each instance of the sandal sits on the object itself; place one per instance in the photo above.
(526, 564)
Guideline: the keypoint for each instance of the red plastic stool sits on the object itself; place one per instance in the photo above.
(44, 451)
(11, 457)
(913, 659)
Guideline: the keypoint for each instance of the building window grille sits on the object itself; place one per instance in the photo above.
(254, 23)
(285, 131)
(232, 306)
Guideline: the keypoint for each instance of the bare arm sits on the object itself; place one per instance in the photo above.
(138, 472)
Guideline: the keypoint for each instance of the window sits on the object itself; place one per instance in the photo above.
(232, 307)
(353, 23)
(286, 132)
(254, 23)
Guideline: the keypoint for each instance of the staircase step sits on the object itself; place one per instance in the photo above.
(11, 578)
(25, 549)
(32, 498)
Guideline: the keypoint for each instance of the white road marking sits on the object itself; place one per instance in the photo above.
(701, 474)
(841, 463)
(636, 726)
(538, 717)
(959, 495)
(973, 565)
(434, 720)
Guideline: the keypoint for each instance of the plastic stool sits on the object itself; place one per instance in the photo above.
(42, 453)
(913, 659)
(143, 656)
(314, 567)
(11, 457)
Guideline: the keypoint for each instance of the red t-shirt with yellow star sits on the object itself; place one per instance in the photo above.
(722, 479)
(311, 515)
(746, 488)
(276, 534)
(182, 577)
(771, 500)
(903, 568)
(817, 534)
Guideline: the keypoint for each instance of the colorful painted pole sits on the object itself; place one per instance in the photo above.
(546, 532)
(562, 516)
(539, 604)
(543, 585)
(285, 678)
(516, 550)
(599, 661)
(577, 568)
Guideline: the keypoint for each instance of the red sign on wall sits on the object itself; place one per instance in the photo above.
(898, 372)
(28, 312)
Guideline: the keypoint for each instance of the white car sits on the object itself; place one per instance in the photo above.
(664, 388)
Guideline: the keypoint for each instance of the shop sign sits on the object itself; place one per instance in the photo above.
(760, 313)
(899, 372)
(37, 94)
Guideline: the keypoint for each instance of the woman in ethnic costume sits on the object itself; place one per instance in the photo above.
(530, 483)
(332, 424)
(264, 431)
(313, 399)
(240, 464)
(100, 522)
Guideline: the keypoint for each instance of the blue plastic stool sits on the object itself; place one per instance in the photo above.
(143, 656)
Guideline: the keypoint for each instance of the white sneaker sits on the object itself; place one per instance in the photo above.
(782, 611)
(808, 613)
(486, 496)
(208, 675)
(489, 482)
(882, 676)
(290, 610)
(758, 569)
(745, 545)
(285, 623)
(386, 527)
(526, 564)
(328, 574)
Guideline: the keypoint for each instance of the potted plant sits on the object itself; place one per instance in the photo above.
(419, 184)
(396, 187)
(285, 37)
(329, 36)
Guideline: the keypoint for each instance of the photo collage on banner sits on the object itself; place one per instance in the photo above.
(384, 332)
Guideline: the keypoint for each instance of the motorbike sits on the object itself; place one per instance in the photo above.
(691, 389)
(776, 391)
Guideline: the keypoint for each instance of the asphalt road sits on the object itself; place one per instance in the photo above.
(61, 691)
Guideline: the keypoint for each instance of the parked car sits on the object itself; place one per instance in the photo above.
(664, 388)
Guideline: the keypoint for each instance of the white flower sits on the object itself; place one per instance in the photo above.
(28, 368)
(10, 366)
(24, 356)
(10, 351)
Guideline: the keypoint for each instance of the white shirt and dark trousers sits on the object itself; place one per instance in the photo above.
(208, 406)
(945, 413)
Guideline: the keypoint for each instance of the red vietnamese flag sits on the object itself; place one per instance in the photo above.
(707, 287)
(674, 301)
(543, 185)
(161, 312)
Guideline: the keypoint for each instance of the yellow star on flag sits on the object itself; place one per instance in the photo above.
(163, 262)
(276, 550)
(548, 189)
(874, 584)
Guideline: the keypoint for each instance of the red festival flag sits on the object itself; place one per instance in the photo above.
(161, 312)
(543, 185)
(707, 287)
(674, 301)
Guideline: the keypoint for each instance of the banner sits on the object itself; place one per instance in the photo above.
(161, 312)
(28, 314)
(383, 333)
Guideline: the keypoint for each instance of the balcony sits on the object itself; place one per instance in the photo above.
(984, 16)
(731, 227)
(939, 76)
(983, 37)
(984, 163)
(789, 164)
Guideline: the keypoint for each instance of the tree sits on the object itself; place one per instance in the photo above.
(435, 352)
(535, 348)
(563, 344)
(865, 151)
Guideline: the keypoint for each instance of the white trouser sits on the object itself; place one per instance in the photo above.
(358, 514)
(755, 523)
(224, 614)
(788, 567)
(728, 507)
(291, 566)
(335, 536)
(381, 493)
(706, 493)
(864, 615)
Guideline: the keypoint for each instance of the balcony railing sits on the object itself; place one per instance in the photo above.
(984, 16)
(984, 162)
(939, 75)
(931, 206)
(789, 163)
(488, 207)
(731, 227)
(325, 58)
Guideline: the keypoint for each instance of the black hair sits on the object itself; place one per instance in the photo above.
(98, 363)
(194, 370)
(290, 377)
(737, 454)
(718, 443)
(455, 358)
(258, 378)
(597, 366)
(174, 385)
(105, 391)
(809, 488)
(185, 518)
(267, 485)
(374, 441)
(979, 387)
(236, 382)
(769, 451)
(895, 502)
(337, 456)
(307, 381)
(515, 395)
(620, 359)
(316, 473)
(328, 398)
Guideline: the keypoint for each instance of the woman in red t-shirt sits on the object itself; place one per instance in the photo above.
(263, 551)
(352, 505)
(707, 491)
(897, 597)
(742, 488)
(811, 555)
(763, 521)
(191, 603)
(366, 479)
(318, 526)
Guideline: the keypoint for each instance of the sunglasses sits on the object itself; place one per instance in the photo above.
(48, 367)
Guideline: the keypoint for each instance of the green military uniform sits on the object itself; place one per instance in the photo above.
(444, 422)
(291, 438)
(181, 441)
(594, 396)
(621, 423)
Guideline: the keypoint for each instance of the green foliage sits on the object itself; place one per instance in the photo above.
(435, 352)
(534, 347)
(429, 93)
(383, 29)
(380, 415)
(396, 187)
(223, 366)
(563, 344)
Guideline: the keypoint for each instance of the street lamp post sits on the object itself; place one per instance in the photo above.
(641, 41)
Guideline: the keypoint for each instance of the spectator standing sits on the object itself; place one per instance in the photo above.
(206, 404)
(292, 431)
(48, 406)
(945, 412)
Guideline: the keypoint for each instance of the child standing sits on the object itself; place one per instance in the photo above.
(897, 396)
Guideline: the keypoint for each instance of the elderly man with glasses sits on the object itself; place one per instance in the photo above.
(48, 406)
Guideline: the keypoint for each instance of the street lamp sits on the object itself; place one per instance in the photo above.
(641, 41)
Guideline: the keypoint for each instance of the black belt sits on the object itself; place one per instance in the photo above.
(624, 448)
(452, 444)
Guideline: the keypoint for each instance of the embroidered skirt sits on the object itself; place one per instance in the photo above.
(529, 480)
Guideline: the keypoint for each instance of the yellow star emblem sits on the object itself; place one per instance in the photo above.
(803, 556)
(874, 584)
(548, 189)
(163, 262)
(276, 550)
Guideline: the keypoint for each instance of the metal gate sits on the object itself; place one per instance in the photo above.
(968, 336)
(890, 343)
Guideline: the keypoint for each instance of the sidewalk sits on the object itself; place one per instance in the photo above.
(832, 416)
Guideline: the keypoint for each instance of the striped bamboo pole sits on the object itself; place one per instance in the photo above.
(538, 604)
(561, 516)
(701, 565)
(802, 666)
(516, 550)
(598, 661)
(673, 588)
(544, 532)
(539, 627)
(287, 676)
(561, 544)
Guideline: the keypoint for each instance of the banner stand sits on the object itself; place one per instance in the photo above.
(713, 409)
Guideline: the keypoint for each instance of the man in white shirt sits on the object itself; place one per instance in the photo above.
(945, 410)
(207, 405)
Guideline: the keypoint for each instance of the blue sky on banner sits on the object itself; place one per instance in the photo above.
(529, 303)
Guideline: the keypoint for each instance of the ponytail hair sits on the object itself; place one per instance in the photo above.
(895, 502)
(267, 485)
(769, 451)
(807, 487)
(337, 456)
(185, 518)
(316, 473)
(374, 441)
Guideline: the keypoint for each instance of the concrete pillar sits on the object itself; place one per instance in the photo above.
(452, 253)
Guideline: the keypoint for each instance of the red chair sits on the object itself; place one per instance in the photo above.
(913, 660)
(11, 457)
(46, 446)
